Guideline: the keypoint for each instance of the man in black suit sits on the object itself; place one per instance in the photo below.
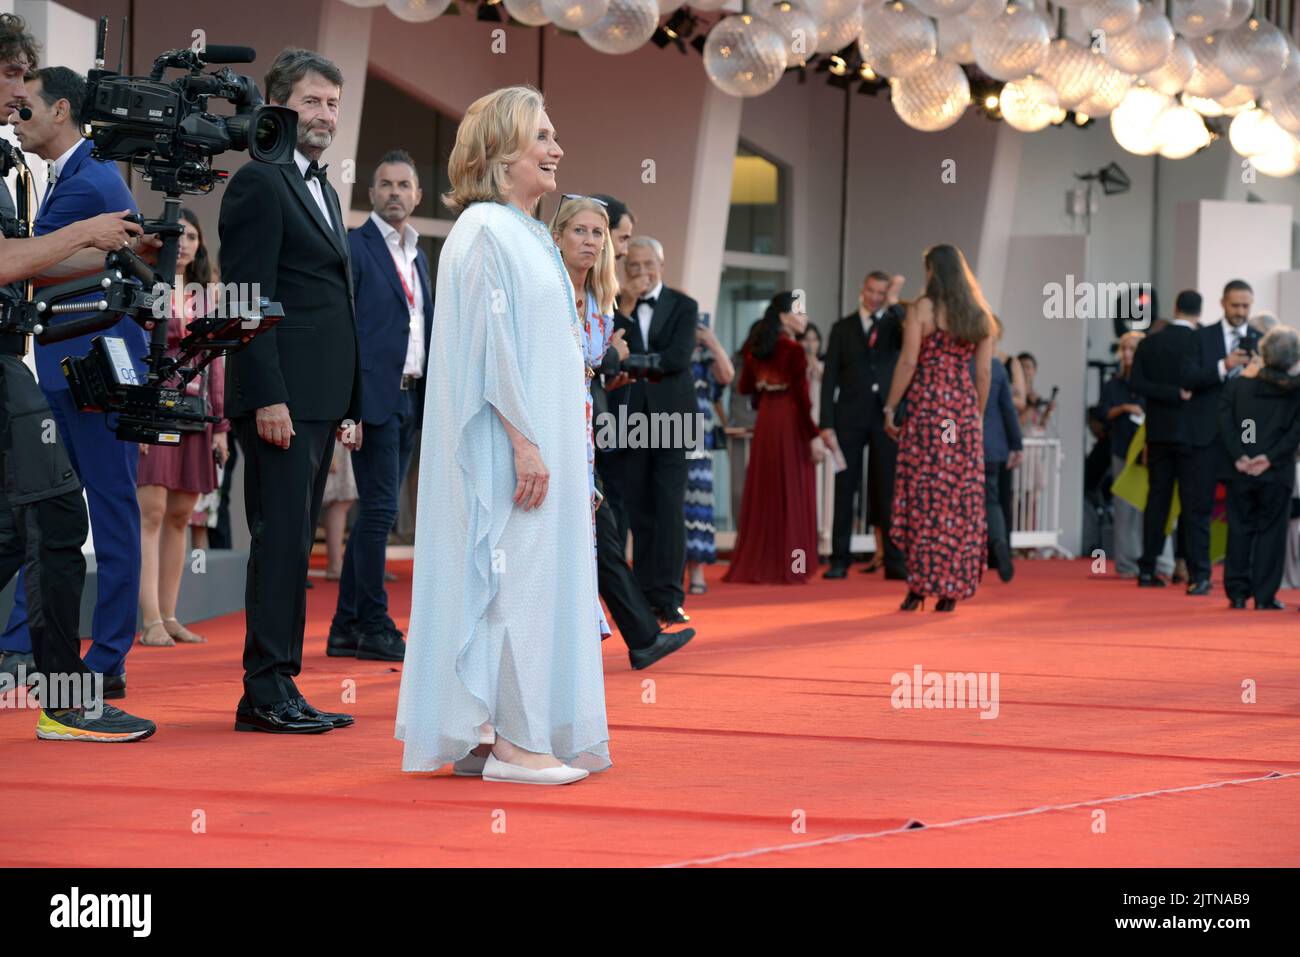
(1259, 422)
(1158, 369)
(657, 319)
(292, 388)
(860, 358)
(1220, 352)
(394, 319)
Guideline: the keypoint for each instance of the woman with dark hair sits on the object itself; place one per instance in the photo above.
(776, 538)
(172, 477)
(938, 515)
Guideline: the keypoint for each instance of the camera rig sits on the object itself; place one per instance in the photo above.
(164, 130)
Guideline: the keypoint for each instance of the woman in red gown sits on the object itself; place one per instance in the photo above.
(776, 539)
(938, 516)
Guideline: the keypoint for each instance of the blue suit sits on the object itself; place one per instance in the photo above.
(391, 415)
(88, 187)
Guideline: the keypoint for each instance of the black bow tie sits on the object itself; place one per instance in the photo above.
(649, 300)
(314, 169)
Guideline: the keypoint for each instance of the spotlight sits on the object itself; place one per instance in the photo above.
(838, 65)
(680, 24)
(991, 102)
(698, 45)
(1113, 180)
(866, 72)
(1082, 119)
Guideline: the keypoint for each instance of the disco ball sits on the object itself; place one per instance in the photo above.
(823, 10)
(799, 29)
(364, 4)
(1254, 131)
(983, 10)
(837, 33)
(933, 98)
(1241, 9)
(744, 56)
(1133, 122)
(1285, 108)
(1072, 69)
(530, 12)
(417, 11)
(1281, 158)
(1180, 132)
(1172, 75)
(1110, 16)
(1108, 93)
(1143, 46)
(896, 40)
(626, 26)
(1073, 4)
(1208, 78)
(1199, 18)
(574, 14)
(940, 9)
(1028, 104)
(1253, 53)
(1012, 45)
(954, 40)
(669, 6)
(1290, 74)
(706, 5)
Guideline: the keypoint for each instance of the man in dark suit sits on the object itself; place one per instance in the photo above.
(1158, 370)
(1219, 353)
(293, 387)
(1003, 450)
(860, 357)
(81, 187)
(657, 319)
(1259, 422)
(394, 296)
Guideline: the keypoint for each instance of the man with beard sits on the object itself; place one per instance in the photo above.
(294, 387)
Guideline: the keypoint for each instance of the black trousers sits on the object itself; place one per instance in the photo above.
(881, 460)
(1258, 519)
(996, 520)
(654, 494)
(282, 496)
(1195, 471)
(219, 536)
(45, 539)
(618, 585)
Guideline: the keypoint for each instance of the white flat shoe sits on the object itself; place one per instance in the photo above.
(495, 770)
(470, 766)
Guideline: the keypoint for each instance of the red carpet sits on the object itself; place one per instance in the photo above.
(1111, 700)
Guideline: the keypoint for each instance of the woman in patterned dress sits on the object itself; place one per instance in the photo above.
(712, 371)
(938, 517)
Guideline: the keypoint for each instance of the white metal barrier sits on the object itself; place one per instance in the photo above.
(1035, 499)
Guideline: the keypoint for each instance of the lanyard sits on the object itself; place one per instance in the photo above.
(409, 290)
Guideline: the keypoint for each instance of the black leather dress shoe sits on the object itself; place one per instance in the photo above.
(1236, 603)
(115, 686)
(381, 647)
(284, 717)
(665, 643)
(836, 571)
(1271, 605)
(1199, 588)
(1150, 581)
(342, 642)
(676, 616)
(336, 718)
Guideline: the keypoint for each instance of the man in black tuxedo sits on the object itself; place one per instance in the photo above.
(863, 349)
(292, 388)
(1220, 352)
(656, 319)
(1159, 366)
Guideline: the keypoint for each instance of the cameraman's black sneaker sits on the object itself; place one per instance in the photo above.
(113, 726)
(342, 642)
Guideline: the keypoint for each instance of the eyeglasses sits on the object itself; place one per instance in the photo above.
(578, 196)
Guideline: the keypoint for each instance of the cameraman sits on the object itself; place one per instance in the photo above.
(42, 516)
(82, 186)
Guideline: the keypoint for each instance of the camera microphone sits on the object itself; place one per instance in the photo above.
(24, 113)
(224, 53)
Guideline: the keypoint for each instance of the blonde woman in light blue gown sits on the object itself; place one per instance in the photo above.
(503, 670)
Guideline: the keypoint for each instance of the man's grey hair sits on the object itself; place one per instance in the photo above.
(291, 66)
(1263, 322)
(1280, 348)
(649, 242)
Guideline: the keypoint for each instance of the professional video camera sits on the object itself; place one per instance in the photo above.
(166, 133)
(647, 365)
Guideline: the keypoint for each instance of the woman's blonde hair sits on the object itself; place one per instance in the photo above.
(496, 130)
(1131, 336)
(602, 278)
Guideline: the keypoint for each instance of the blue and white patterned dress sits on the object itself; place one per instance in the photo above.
(698, 507)
(503, 627)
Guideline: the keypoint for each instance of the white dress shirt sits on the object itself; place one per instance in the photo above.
(869, 319)
(314, 187)
(404, 251)
(644, 313)
(57, 167)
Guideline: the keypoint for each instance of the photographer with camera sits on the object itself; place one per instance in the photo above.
(43, 520)
(291, 390)
(81, 187)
